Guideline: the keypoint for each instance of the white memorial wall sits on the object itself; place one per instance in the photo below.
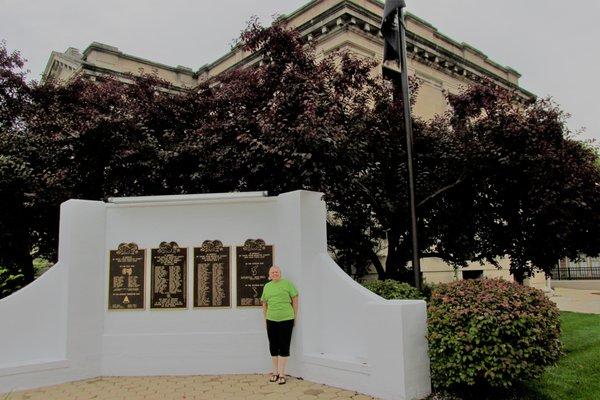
(60, 328)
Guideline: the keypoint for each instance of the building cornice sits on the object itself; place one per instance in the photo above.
(421, 49)
(461, 45)
(101, 72)
(409, 16)
(61, 59)
(347, 16)
(430, 53)
(104, 48)
(285, 19)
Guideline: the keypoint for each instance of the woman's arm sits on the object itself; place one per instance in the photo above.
(295, 306)
(265, 306)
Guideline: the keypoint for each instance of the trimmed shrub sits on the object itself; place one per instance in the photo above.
(10, 282)
(490, 333)
(427, 289)
(393, 290)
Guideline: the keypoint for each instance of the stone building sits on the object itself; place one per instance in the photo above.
(100, 59)
(442, 64)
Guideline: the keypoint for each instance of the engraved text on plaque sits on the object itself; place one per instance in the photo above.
(254, 259)
(126, 278)
(169, 276)
(211, 275)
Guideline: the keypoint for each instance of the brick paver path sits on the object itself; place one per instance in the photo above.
(229, 387)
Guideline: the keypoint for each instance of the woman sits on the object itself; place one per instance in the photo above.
(280, 308)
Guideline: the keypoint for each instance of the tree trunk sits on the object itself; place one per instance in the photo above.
(378, 266)
(398, 258)
(24, 261)
(392, 254)
(519, 276)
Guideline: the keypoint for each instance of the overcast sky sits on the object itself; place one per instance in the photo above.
(552, 43)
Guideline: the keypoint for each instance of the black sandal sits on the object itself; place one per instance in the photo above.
(274, 378)
(281, 380)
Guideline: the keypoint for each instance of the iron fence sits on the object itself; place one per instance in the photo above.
(577, 273)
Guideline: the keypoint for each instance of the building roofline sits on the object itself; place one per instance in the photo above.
(63, 57)
(419, 41)
(115, 50)
(283, 17)
(49, 65)
(307, 6)
(456, 58)
(299, 10)
(462, 45)
(224, 57)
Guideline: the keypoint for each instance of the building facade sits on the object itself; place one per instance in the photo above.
(442, 64)
(101, 60)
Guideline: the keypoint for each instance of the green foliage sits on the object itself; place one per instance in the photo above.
(13, 279)
(10, 282)
(393, 290)
(490, 333)
(16, 175)
(427, 290)
(41, 265)
(575, 377)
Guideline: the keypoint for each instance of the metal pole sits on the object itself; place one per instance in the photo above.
(409, 143)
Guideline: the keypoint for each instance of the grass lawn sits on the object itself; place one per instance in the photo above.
(577, 375)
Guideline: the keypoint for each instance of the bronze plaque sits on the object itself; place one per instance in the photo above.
(126, 278)
(169, 277)
(211, 275)
(254, 259)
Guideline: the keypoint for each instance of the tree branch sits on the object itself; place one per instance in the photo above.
(375, 204)
(442, 190)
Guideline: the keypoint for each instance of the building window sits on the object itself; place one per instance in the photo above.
(476, 274)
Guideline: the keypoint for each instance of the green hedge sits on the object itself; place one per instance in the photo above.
(10, 282)
(393, 290)
(490, 333)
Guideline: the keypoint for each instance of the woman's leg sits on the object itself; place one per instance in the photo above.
(285, 335)
(281, 364)
(273, 343)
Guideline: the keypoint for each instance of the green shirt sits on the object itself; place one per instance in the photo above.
(278, 296)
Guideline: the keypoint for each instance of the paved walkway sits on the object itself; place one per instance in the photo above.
(231, 387)
(577, 300)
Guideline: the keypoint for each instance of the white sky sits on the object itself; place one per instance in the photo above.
(552, 43)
